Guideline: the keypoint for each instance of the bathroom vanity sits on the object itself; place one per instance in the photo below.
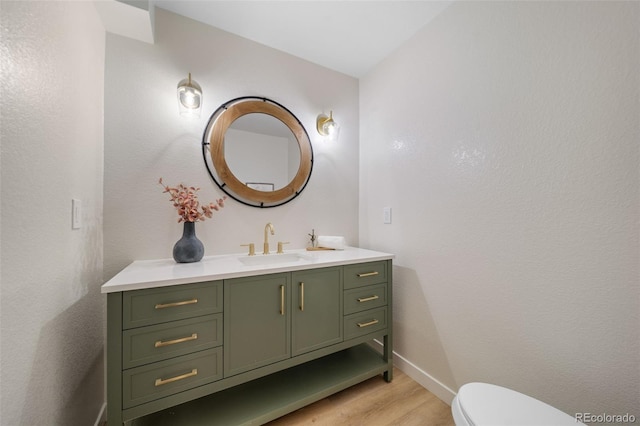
(238, 339)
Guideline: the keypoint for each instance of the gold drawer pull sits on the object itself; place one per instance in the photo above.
(160, 382)
(368, 299)
(281, 300)
(160, 343)
(174, 304)
(302, 297)
(367, 324)
(368, 274)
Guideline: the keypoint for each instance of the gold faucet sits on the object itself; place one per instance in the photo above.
(267, 227)
(280, 244)
(252, 248)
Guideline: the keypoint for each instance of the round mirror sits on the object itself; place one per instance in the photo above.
(257, 152)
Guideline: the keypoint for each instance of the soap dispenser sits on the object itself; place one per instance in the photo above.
(312, 239)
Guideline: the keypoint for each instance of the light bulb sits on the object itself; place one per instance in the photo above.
(189, 97)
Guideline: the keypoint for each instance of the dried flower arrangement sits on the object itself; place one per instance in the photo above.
(186, 202)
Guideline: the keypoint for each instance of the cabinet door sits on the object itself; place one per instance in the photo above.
(316, 310)
(256, 325)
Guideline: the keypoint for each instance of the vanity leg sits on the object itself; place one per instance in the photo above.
(388, 357)
(114, 359)
(388, 341)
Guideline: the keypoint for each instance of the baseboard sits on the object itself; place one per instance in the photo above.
(102, 415)
(427, 381)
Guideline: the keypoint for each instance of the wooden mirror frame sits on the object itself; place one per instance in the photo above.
(213, 139)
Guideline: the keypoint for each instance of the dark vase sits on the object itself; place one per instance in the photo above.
(188, 248)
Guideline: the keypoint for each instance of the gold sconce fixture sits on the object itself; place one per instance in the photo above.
(327, 127)
(189, 97)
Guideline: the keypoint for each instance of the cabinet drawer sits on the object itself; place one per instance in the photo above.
(363, 298)
(153, 381)
(362, 274)
(158, 305)
(365, 322)
(153, 343)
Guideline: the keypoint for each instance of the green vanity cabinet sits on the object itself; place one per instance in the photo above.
(316, 309)
(256, 322)
(245, 349)
(161, 343)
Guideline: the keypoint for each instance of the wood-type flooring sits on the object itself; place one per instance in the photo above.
(403, 402)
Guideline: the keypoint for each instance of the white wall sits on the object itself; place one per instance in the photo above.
(145, 139)
(505, 138)
(52, 56)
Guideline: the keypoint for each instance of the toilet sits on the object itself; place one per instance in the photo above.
(483, 404)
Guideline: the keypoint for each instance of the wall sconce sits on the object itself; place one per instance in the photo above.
(327, 127)
(189, 97)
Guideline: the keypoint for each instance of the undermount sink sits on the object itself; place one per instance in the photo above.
(270, 259)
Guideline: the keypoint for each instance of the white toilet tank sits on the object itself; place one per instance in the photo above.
(483, 404)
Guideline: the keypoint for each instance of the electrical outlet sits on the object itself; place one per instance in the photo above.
(76, 214)
(386, 215)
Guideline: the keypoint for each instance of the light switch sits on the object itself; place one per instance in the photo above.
(386, 215)
(76, 214)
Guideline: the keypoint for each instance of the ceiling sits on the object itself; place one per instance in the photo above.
(347, 36)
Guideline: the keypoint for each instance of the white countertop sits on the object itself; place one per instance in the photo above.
(143, 274)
